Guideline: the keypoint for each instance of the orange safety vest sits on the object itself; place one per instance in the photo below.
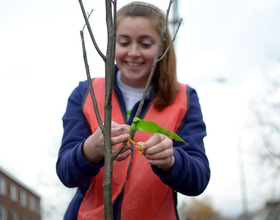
(145, 196)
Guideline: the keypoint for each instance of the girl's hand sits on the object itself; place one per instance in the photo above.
(159, 151)
(93, 148)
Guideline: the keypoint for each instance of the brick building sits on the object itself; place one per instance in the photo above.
(17, 201)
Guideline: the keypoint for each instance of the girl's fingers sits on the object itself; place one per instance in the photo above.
(124, 154)
(118, 133)
(155, 139)
(157, 143)
(117, 129)
(160, 155)
(166, 164)
(159, 152)
(119, 139)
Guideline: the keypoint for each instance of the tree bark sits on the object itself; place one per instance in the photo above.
(109, 80)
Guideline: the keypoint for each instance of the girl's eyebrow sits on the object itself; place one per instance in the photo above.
(146, 36)
(122, 36)
(140, 37)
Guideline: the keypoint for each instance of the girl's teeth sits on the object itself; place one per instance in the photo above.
(134, 64)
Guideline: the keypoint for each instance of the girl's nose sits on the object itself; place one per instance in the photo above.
(134, 51)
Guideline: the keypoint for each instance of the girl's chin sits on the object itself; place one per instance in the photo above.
(133, 68)
(134, 82)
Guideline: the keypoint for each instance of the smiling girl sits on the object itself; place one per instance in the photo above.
(144, 187)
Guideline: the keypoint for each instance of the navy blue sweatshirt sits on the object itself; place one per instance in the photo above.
(190, 174)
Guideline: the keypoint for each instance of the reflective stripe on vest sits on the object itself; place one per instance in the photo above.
(145, 196)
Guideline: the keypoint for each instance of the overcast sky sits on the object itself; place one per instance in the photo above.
(224, 47)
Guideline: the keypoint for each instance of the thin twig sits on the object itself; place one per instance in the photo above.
(95, 106)
(87, 18)
(90, 32)
(156, 60)
(167, 49)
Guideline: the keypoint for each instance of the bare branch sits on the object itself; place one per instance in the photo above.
(156, 60)
(87, 18)
(167, 49)
(270, 146)
(90, 31)
(95, 107)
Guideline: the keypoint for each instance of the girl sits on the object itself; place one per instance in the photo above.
(144, 186)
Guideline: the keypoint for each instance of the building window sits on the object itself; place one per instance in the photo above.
(37, 207)
(3, 186)
(23, 198)
(3, 213)
(32, 204)
(14, 215)
(24, 218)
(13, 193)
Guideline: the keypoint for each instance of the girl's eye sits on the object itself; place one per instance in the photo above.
(146, 45)
(123, 43)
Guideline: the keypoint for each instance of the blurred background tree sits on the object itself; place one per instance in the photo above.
(199, 209)
(265, 108)
(267, 115)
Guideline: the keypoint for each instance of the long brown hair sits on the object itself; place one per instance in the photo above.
(165, 77)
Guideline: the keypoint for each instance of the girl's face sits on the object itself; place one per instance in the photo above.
(136, 47)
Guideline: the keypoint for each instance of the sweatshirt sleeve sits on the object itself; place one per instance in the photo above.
(191, 172)
(72, 168)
